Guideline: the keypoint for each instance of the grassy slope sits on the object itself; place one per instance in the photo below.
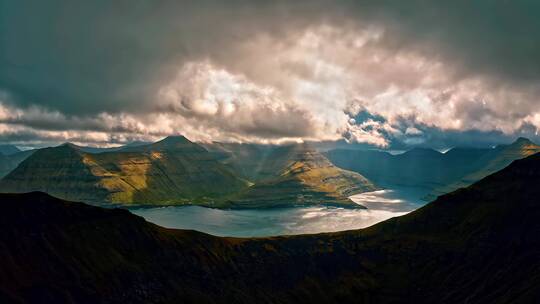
(476, 245)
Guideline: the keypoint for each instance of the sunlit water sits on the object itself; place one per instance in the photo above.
(382, 205)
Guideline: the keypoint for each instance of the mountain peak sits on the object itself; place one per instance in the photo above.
(523, 141)
(177, 143)
(70, 145)
(174, 139)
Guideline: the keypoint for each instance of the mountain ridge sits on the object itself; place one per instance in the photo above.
(167, 173)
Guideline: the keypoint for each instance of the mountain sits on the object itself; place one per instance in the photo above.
(418, 167)
(437, 172)
(476, 245)
(10, 162)
(493, 161)
(169, 172)
(299, 174)
(247, 160)
(8, 149)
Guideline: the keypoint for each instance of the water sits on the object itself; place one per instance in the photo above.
(382, 205)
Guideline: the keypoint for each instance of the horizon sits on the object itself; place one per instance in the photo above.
(321, 146)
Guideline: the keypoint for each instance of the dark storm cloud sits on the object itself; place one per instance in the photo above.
(84, 58)
(94, 56)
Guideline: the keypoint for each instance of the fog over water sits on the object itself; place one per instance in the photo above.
(382, 205)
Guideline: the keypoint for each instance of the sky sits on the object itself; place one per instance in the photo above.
(384, 74)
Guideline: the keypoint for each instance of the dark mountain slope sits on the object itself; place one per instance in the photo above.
(475, 245)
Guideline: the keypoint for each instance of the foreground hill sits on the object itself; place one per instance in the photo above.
(300, 175)
(171, 171)
(475, 245)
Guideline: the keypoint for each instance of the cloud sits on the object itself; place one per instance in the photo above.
(270, 71)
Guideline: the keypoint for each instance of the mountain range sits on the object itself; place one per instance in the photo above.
(475, 245)
(176, 171)
(169, 172)
(438, 172)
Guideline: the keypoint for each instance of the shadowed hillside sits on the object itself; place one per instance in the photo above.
(475, 245)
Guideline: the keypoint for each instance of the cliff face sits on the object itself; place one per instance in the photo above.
(476, 245)
(174, 171)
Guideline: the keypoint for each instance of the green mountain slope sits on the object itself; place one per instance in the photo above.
(300, 175)
(475, 245)
(170, 172)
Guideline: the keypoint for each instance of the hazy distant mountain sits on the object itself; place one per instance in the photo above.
(418, 167)
(10, 162)
(440, 172)
(493, 161)
(8, 149)
(303, 176)
(475, 245)
(171, 171)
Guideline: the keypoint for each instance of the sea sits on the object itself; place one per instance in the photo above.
(381, 204)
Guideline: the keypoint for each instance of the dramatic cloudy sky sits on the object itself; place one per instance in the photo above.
(380, 73)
